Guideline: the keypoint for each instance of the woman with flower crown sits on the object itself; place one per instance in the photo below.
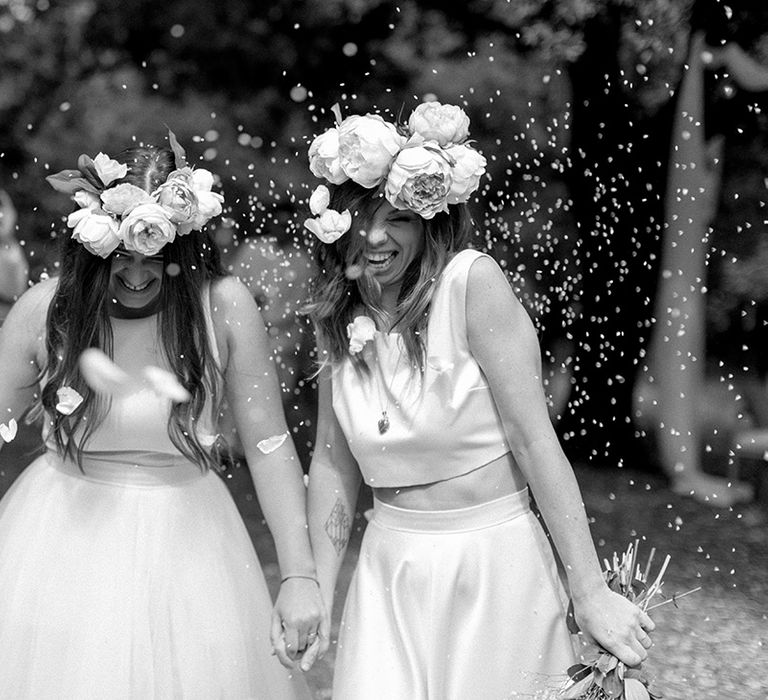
(126, 570)
(430, 391)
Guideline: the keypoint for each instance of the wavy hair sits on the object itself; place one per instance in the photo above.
(78, 319)
(336, 294)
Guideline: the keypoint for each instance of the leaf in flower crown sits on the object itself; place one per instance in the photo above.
(70, 181)
(88, 168)
(337, 113)
(179, 154)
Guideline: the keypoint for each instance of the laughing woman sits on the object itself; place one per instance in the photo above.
(126, 570)
(430, 391)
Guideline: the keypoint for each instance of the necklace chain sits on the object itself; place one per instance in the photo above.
(383, 423)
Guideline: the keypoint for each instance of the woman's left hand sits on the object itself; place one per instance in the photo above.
(300, 626)
(616, 624)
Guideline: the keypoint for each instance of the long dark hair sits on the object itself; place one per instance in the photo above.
(78, 319)
(335, 294)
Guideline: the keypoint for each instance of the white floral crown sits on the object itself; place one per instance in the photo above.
(144, 223)
(425, 164)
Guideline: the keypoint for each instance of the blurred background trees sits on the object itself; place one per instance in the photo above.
(570, 101)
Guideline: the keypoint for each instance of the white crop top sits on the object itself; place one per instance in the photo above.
(138, 419)
(442, 423)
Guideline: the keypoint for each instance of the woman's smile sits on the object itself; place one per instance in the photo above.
(140, 288)
(381, 260)
(135, 279)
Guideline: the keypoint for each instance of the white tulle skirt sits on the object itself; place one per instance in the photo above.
(137, 580)
(453, 605)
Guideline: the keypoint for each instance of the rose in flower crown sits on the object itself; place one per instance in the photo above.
(424, 166)
(114, 214)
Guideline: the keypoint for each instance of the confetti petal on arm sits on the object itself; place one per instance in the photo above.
(270, 444)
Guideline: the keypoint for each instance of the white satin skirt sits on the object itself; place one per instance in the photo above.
(137, 579)
(454, 605)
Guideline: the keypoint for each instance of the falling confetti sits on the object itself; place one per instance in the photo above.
(102, 374)
(8, 430)
(165, 384)
(69, 400)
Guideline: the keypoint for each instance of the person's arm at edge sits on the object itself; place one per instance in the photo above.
(21, 341)
(504, 342)
(334, 485)
(253, 394)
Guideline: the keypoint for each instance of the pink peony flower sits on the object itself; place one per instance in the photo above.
(147, 229)
(442, 123)
(98, 232)
(177, 197)
(420, 180)
(120, 199)
(469, 167)
(324, 157)
(367, 147)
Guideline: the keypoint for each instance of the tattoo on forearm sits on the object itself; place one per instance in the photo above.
(338, 526)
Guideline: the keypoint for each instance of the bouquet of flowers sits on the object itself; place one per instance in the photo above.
(604, 677)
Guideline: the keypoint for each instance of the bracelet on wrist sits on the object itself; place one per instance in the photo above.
(308, 578)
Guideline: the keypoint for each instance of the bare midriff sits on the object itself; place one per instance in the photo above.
(493, 480)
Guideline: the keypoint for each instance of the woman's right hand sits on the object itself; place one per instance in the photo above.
(616, 624)
(300, 624)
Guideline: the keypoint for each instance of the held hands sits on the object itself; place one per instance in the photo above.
(300, 625)
(616, 624)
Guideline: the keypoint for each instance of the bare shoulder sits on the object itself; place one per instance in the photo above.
(495, 316)
(31, 308)
(235, 313)
(487, 285)
(23, 331)
(230, 296)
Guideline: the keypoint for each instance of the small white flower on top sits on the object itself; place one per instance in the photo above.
(359, 332)
(108, 169)
(328, 224)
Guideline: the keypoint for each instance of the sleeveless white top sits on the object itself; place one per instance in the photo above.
(442, 423)
(138, 420)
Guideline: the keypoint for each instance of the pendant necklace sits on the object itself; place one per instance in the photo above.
(383, 423)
